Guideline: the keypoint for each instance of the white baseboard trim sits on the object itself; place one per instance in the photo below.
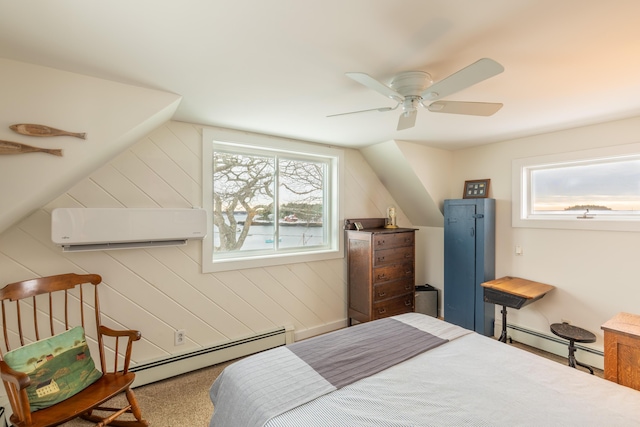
(151, 372)
(551, 343)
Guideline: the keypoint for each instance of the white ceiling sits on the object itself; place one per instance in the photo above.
(277, 66)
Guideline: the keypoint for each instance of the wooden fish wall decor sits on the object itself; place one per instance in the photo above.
(42, 130)
(8, 147)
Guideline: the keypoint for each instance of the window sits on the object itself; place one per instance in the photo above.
(271, 201)
(594, 189)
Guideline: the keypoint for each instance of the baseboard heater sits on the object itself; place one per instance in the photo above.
(151, 372)
(553, 338)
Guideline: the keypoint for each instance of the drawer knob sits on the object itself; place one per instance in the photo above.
(407, 256)
(407, 303)
(380, 242)
(382, 276)
(408, 272)
(407, 287)
(382, 310)
(382, 294)
(380, 258)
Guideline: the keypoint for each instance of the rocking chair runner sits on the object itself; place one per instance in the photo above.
(34, 310)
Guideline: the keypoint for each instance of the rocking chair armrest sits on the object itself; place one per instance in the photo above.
(132, 334)
(17, 378)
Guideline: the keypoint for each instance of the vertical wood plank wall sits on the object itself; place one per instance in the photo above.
(160, 290)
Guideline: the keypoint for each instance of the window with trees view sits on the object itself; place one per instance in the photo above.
(594, 189)
(271, 203)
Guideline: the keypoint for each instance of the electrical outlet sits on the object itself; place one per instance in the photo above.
(179, 337)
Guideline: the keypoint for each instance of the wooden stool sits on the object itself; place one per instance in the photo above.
(573, 334)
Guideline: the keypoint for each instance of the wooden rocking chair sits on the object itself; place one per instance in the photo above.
(35, 310)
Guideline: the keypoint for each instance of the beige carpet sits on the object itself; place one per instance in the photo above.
(184, 401)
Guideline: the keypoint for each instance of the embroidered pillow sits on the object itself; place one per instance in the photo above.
(59, 367)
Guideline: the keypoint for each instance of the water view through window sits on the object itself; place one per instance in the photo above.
(606, 187)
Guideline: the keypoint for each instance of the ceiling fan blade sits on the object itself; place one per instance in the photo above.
(407, 119)
(371, 83)
(468, 108)
(468, 76)
(382, 110)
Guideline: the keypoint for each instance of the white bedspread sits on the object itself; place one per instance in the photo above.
(473, 381)
(255, 389)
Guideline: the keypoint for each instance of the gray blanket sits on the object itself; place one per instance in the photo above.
(255, 389)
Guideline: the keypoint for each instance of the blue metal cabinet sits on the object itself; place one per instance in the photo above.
(469, 260)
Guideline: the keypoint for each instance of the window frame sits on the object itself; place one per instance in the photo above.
(521, 188)
(256, 143)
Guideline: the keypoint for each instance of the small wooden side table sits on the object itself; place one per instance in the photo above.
(622, 349)
(513, 292)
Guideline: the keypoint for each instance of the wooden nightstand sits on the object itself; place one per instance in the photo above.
(622, 350)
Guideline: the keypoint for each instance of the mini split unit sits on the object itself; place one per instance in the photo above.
(92, 229)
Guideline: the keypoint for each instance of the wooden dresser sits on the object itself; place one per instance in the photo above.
(622, 349)
(381, 269)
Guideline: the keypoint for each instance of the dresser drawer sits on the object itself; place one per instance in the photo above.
(393, 256)
(394, 306)
(393, 272)
(393, 289)
(392, 240)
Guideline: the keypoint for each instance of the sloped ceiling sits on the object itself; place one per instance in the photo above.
(399, 177)
(113, 115)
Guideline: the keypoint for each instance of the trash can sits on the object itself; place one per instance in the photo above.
(427, 300)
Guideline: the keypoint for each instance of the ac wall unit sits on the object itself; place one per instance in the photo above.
(93, 229)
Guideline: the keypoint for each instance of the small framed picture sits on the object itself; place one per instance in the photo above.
(476, 189)
(358, 225)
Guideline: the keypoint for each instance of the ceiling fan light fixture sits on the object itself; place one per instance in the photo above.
(410, 103)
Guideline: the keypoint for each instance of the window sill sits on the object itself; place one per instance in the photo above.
(268, 261)
(572, 223)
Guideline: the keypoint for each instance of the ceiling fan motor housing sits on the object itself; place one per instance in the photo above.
(411, 83)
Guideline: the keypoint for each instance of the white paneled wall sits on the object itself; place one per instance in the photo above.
(160, 290)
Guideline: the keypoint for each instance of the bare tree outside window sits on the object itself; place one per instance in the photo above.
(241, 183)
(267, 202)
(301, 208)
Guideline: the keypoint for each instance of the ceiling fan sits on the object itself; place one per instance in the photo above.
(414, 88)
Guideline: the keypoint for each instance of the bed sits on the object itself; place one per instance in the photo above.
(413, 370)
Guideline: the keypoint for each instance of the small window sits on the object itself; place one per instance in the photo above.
(270, 204)
(589, 191)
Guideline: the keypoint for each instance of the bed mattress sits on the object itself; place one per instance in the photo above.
(470, 380)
